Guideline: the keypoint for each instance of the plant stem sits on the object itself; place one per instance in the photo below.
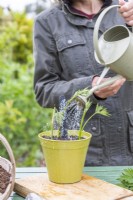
(82, 126)
(52, 128)
(88, 120)
(59, 132)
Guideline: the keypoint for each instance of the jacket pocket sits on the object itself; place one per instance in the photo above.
(73, 53)
(68, 41)
(130, 116)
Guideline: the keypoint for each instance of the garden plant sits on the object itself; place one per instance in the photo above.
(63, 148)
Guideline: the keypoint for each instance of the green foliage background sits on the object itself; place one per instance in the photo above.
(21, 118)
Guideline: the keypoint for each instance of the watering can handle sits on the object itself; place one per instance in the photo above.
(108, 82)
(96, 29)
(104, 84)
(11, 156)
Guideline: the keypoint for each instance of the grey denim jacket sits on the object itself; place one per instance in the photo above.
(65, 63)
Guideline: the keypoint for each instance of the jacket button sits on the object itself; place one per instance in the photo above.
(119, 128)
(69, 41)
(93, 128)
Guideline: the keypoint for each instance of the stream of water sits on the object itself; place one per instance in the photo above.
(71, 116)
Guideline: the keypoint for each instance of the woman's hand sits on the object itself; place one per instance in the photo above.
(108, 90)
(126, 10)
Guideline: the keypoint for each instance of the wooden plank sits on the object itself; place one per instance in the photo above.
(22, 175)
(31, 169)
(86, 169)
(109, 174)
(109, 178)
(106, 169)
(88, 188)
(106, 173)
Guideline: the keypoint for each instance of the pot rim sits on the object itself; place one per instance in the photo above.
(87, 136)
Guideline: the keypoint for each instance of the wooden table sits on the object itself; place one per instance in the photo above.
(109, 174)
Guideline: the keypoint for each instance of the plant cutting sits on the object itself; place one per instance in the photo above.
(126, 179)
(65, 150)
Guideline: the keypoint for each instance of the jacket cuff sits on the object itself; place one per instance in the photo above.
(129, 27)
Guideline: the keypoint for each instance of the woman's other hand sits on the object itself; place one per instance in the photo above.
(126, 10)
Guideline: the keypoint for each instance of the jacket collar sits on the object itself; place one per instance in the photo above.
(78, 19)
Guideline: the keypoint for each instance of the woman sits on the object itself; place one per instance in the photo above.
(64, 63)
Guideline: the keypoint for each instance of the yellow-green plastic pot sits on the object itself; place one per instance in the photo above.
(65, 158)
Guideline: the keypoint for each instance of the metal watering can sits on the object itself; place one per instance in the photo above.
(114, 50)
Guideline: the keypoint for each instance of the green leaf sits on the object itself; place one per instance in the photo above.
(126, 179)
(102, 111)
